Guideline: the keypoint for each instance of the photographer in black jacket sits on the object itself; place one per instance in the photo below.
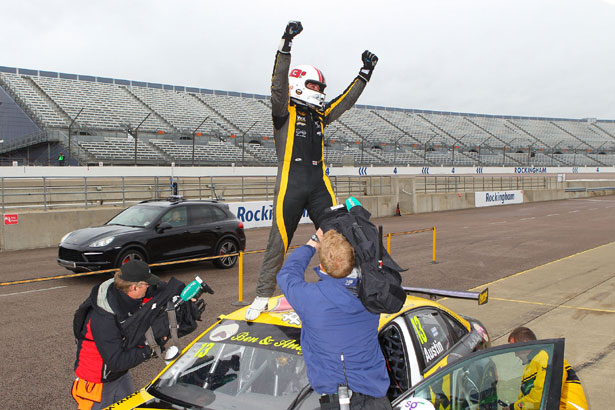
(103, 361)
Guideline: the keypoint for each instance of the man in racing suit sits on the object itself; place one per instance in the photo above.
(533, 379)
(300, 116)
(102, 362)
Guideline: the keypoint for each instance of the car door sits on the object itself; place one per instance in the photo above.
(432, 337)
(172, 243)
(204, 228)
(492, 378)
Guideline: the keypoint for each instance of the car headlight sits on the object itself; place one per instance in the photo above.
(65, 237)
(102, 242)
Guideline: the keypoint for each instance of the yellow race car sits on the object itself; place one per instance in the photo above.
(259, 365)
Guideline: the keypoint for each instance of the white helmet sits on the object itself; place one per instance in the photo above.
(298, 79)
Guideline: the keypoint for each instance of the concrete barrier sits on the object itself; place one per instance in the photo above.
(40, 229)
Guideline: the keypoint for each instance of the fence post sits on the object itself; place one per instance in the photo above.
(240, 301)
(85, 191)
(44, 193)
(433, 260)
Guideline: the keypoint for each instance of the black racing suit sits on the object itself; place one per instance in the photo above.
(301, 182)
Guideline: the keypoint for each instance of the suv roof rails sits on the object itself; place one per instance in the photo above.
(174, 199)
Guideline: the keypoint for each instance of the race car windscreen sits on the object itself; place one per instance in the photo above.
(137, 216)
(238, 365)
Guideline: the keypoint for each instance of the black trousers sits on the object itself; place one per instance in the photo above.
(298, 187)
(358, 401)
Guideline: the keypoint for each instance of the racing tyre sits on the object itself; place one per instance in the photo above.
(225, 247)
(130, 255)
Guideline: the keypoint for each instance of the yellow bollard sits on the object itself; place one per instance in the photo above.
(433, 260)
(240, 301)
(389, 243)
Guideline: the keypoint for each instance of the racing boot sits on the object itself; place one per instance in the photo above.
(257, 307)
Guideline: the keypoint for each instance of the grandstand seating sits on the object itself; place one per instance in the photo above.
(118, 149)
(267, 155)
(183, 111)
(364, 135)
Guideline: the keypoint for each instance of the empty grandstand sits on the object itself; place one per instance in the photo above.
(112, 121)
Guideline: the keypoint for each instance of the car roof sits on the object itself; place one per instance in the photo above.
(176, 201)
(281, 313)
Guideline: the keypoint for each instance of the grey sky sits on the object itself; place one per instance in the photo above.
(515, 57)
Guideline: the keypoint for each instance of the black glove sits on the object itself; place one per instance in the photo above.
(197, 308)
(292, 29)
(369, 60)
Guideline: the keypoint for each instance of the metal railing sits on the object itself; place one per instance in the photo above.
(433, 184)
(84, 192)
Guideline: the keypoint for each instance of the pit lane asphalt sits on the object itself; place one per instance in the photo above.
(474, 247)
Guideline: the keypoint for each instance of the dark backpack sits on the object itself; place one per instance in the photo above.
(380, 287)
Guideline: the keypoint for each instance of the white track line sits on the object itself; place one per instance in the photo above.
(30, 291)
(553, 215)
(528, 218)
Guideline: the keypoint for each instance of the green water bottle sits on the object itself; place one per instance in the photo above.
(352, 201)
(192, 289)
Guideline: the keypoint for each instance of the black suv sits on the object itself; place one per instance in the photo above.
(156, 231)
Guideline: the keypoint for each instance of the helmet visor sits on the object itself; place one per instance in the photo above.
(315, 86)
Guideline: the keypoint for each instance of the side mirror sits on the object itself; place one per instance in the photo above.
(163, 227)
(415, 403)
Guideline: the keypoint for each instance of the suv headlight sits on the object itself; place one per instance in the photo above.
(102, 242)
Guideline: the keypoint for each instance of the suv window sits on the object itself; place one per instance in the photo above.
(177, 217)
(201, 214)
(431, 333)
(219, 214)
(204, 214)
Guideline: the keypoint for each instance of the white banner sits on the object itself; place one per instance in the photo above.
(258, 213)
(497, 198)
(178, 172)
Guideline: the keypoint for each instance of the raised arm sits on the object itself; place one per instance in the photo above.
(349, 97)
(279, 80)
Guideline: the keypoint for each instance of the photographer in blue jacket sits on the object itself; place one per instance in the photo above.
(339, 337)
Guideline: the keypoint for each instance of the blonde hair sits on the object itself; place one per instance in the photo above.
(336, 254)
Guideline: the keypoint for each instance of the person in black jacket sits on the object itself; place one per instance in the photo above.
(300, 115)
(103, 360)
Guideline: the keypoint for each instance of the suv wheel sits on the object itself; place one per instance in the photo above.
(130, 255)
(226, 246)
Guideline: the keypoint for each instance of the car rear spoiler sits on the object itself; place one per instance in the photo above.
(482, 297)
